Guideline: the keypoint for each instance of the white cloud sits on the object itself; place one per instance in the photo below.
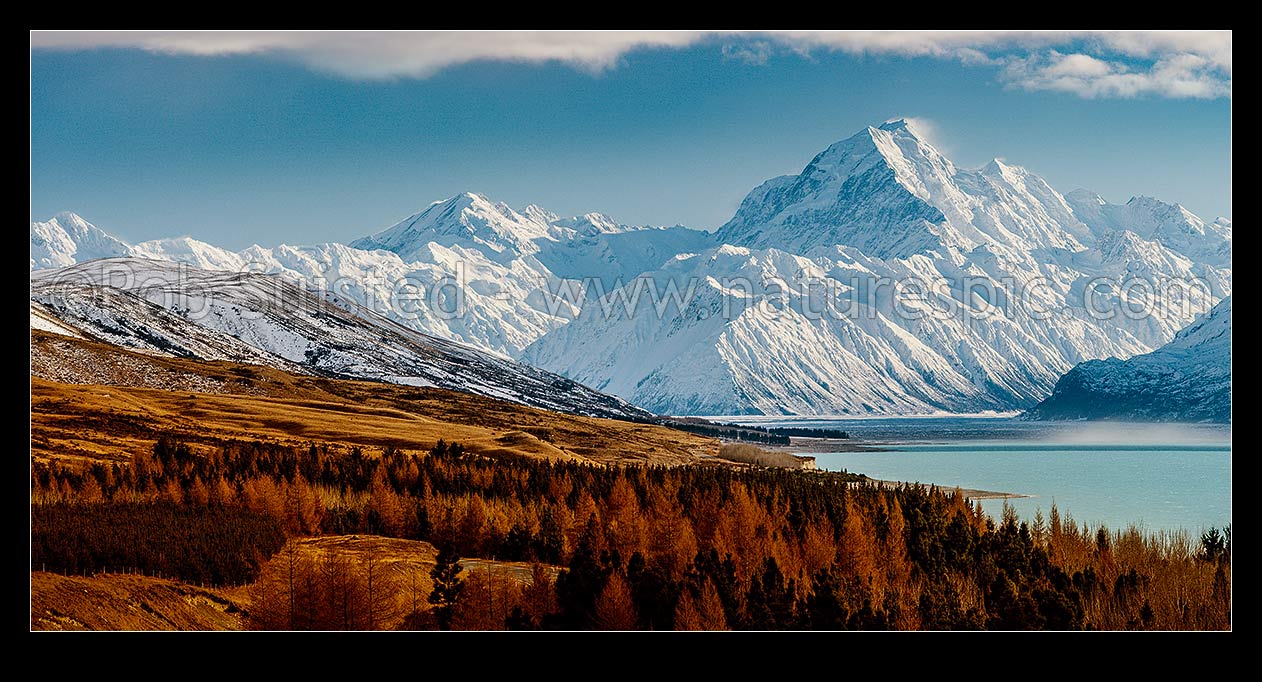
(755, 52)
(383, 54)
(1077, 66)
(1085, 63)
(1183, 75)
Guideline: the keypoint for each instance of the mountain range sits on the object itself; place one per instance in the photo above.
(793, 306)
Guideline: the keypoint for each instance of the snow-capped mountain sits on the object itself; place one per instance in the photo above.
(889, 194)
(536, 241)
(467, 221)
(68, 239)
(465, 269)
(174, 309)
(878, 210)
(754, 338)
(453, 292)
(882, 278)
(1188, 379)
(1170, 225)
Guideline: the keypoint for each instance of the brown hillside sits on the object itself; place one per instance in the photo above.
(128, 602)
(95, 401)
(112, 601)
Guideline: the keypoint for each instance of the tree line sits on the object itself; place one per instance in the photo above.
(736, 432)
(695, 547)
(808, 432)
(201, 544)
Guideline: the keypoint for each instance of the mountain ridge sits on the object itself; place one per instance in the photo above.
(1186, 380)
(173, 309)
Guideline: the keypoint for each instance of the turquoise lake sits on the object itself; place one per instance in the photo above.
(1162, 477)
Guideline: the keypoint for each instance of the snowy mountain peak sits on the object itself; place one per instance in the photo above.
(590, 224)
(71, 219)
(890, 193)
(904, 131)
(915, 157)
(196, 252)
(1163, 211)
(467, 220)
(1168, 224)
(67, 239)
(883, 190)
(1085, 197)
(998, 166)
(539, 214)
(898, 124)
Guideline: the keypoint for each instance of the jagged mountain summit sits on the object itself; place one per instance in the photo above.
(888, 193)
(1152, 220)
(466, 221)
(881, 279)
(1186, 380)
(881, 209)
(67, 239)
(553, 248)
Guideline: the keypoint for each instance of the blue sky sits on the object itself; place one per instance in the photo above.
(312, 142)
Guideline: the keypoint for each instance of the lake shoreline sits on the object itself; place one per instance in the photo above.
(969, 493)
(807, 447)
(1156, 478)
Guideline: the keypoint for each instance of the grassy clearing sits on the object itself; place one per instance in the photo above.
(744, 453)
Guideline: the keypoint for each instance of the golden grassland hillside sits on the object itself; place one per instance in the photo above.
(331, 584)
(367, 582)
(332, 591)
(129, 602)
(98, 402)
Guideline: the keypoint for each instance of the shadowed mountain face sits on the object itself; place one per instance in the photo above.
(1186, 380)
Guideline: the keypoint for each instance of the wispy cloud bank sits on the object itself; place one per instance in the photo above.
(1085, 63)
(756, 52)
(1176, 75)
(383, 54)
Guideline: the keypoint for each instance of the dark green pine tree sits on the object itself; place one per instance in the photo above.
(578, 587)
(447, 586)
